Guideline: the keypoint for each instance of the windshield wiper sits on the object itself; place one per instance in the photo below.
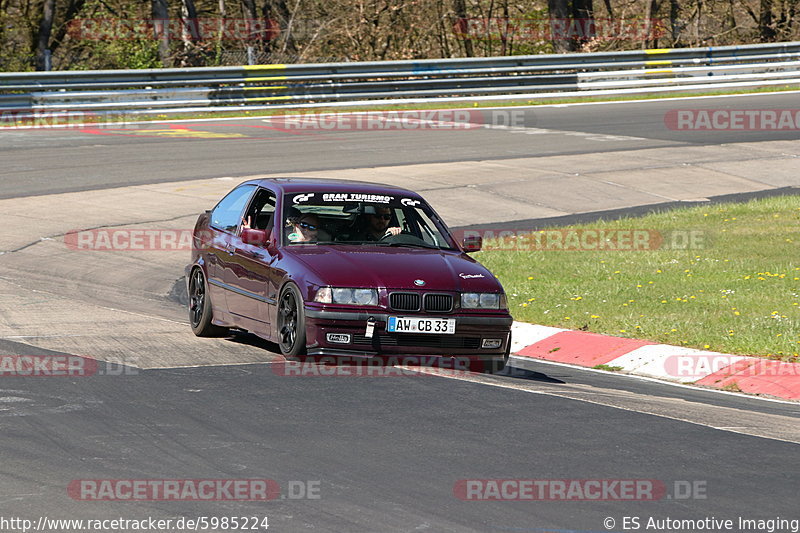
(408, 244)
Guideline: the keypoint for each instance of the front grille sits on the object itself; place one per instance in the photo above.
(411, 301)
(438, 303)
(404, 301)
(423, 341)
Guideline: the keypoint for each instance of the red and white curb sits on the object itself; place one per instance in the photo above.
(752, 375)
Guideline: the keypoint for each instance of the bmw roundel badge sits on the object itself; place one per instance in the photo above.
(419, 282)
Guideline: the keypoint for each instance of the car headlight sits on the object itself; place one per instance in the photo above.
(342, 296)
(481, 300)
(346, 296)
(365, 296)
(470, 300)
(490, 300)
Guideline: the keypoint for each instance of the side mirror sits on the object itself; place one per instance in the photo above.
(472, 243)
(259, 237)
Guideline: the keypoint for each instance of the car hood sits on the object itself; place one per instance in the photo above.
(396, 268)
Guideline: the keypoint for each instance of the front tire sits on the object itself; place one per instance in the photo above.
(291, 322)
(200, 313)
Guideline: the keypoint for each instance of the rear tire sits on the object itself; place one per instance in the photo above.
(291, 322)
(200, 314)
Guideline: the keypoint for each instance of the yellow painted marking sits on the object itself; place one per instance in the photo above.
(264, 67)
(267, 78)
(275, 88)
(657, 63)
(187, 133)
(659, 71)
(267, 98)
(658, 50)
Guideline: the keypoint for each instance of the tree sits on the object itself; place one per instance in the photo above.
(43, 37)
(559, 13)
(161, 29)
(571, 23)
(766, 29)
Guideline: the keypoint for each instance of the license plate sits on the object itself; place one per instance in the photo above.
(437, 326)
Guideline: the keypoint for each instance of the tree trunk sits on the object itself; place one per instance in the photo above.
(559, 26)
(674, 21)
(698, 16)
(279, 12)
(189, 28)
(45, 28)
(161, 29)
(649, 31)
(253, 27)
(766, 30)
(583, 20)
(73, 9)
(190, 33)
(462, 26)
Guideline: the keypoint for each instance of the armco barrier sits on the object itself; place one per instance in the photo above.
(495, 78)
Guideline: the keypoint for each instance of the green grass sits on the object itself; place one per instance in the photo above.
(607, 368)
(737, 291)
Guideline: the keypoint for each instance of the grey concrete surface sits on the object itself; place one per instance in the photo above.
(50, 161)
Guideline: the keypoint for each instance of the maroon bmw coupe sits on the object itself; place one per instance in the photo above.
(346, 269)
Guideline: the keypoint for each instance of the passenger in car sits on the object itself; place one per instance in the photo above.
(304, 227)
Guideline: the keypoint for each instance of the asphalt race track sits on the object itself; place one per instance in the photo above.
(363, 454)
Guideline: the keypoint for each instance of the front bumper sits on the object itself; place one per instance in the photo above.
(473, 331)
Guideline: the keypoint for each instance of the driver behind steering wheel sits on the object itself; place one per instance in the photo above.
(375, 225)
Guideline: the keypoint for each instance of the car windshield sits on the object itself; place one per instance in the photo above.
(362, 219)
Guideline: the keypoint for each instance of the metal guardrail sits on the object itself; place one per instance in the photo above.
(365, 83)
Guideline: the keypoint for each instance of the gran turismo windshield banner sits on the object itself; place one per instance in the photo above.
(330, 198)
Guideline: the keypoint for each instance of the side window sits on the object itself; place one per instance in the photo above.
(228, 213)
(262, 210)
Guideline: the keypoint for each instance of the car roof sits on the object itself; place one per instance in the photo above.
(293, 185)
